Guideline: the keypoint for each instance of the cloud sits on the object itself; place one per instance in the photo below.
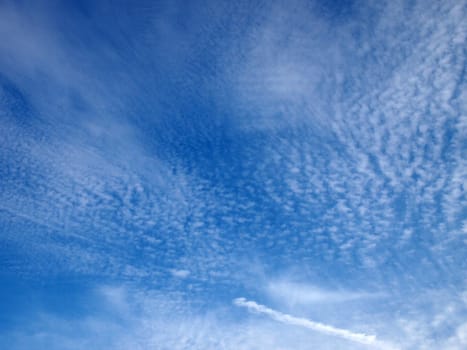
(180, 273)
(128, 317)
(171, 148)
(125, 317)
(303, 322)
(292, 293)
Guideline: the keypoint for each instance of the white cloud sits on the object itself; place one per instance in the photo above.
(371, 168)
(315, 326)
(293, 293)
(180, 273)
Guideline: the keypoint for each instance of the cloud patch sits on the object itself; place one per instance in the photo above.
(361, 338)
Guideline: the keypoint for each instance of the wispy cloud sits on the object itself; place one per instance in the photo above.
(361, 338)
(177, 148)
(294, 293)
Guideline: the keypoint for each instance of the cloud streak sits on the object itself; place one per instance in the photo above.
(361, 338)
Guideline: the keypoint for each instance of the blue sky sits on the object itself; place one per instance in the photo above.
(233, 175)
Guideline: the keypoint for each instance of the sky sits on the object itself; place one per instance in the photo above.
(238, 175)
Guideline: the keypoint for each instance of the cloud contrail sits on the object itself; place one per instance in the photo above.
(303, 322)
